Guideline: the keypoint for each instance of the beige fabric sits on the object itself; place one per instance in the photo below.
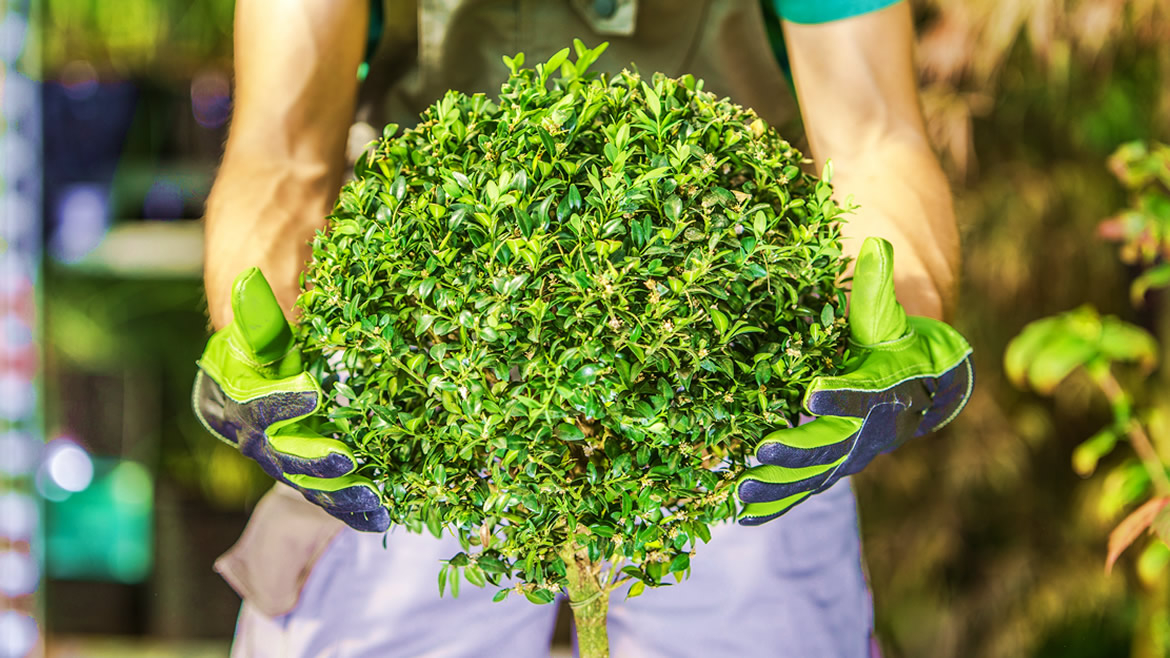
(430, 46)
(270, 562)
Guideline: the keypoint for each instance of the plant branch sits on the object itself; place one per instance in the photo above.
(1137, 434)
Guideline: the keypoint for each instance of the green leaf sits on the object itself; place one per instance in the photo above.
(434, 523)
(554, 62)
(1045, 353)
(425, 288)
(424, 322)
(540, 596)
(827, 316)
(474, 575)
(1153, 278)
(673, 207)
(636, 589)
(567, 432)
(652, 100)
(720, 320)
(1088, 453)
(1121, 341)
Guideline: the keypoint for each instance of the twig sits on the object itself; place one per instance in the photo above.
(1137, 434)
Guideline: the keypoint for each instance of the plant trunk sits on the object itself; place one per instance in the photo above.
(589, 600)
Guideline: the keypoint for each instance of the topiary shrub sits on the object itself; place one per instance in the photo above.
(556, 322)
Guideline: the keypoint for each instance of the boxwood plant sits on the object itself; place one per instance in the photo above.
(555, 322)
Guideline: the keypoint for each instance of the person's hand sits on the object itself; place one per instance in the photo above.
(906, 377)
(252, 392)
(247, 228)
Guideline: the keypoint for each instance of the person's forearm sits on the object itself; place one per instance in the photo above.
(858, 94)
(903, 196)
(296, 63)
(262, 213)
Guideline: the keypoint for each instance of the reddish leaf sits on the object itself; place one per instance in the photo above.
(1162, 525)
(1131, 528)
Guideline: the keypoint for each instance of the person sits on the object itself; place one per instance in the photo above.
(314, 586)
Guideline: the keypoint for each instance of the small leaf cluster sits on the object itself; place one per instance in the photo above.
(568, 313)
(1143, 228)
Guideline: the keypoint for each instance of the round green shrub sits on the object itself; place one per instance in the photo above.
(568, 313)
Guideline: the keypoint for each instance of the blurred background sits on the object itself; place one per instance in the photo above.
(985, 541)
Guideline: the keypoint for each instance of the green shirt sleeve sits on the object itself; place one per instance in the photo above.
(824, 11)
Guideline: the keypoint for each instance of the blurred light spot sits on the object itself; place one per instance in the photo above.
(18, 152)
(211, 101)
(18, 516)
(82, 220)
(15, 273)
(20, 96)
(18, 453)
(12, 32)
(79, 79)
(48, 489)
(18, 634)
(19, 228)
(18, 573)
(17, 397)
(164, 200)
(15, 333)
(130, 484)
(69, 465)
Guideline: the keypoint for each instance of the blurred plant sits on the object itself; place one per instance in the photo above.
(134, 37)
(966, 50)
(1144, 227)
(1001, 556)
(1050, 350)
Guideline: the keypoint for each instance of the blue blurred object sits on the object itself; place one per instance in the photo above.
(86, 125)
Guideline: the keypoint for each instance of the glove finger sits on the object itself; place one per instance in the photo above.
(373, 521)
(857, 403)
(950, 393)
(260, 324)
(348, 493)
(351, 498)
(821, 441)
(875, 316)
(298, 451)
(760, 513)
(763, 484)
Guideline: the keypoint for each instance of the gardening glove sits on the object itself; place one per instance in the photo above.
(906, 377)
(252, 392)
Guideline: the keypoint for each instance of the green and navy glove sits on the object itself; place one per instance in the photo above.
(906, 377)
(252, 392)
